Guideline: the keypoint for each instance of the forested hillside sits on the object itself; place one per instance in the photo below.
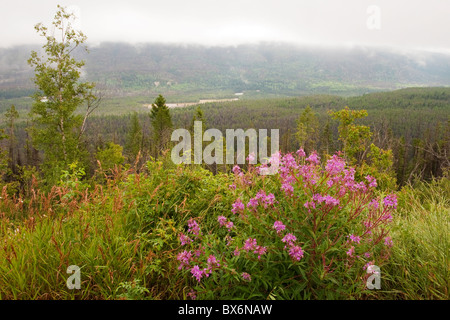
(258, 70)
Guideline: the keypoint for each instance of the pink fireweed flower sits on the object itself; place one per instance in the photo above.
(356, 239)
(374, 204)
(351, 251)
(261, 195)
(260, 251)
(232, 187)
(287, 188)
(269, 200)
(279, 226)
(222, 220)
(250, 244)
(387, 217)
(289, 239)
(236, 252)
(372, 181)
(184, 257)
(252, 203)
(192, 295)
(288, 161)
(296, 252)
(313, 158)
(236, 169)
(301, 153)
(335, 165)
(310, 204)
(390, 201)
(193, 227)
(237, 206)
(251, 157)
(246, 276)
(388, 241)
(329, 200)
(184, 239)
(367, 254)
(197, 273)
(212, 261)
(229, 225)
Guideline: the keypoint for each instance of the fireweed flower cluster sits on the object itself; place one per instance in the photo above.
(225, 223)
(262, 199)
(320, 215)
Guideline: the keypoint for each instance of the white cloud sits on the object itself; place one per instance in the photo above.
(404, 23)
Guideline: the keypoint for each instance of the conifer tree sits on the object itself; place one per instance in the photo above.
(161, 121)
(133, 144)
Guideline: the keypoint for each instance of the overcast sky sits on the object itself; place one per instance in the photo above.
(405, 24)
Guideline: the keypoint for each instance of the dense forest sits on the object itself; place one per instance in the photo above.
(88, 182)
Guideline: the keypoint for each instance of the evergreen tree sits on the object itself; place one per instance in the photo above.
(161, 121)
(133, 144)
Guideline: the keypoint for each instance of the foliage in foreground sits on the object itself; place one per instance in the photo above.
(125, 236)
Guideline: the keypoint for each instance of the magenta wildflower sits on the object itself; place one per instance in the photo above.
(269, 200)
(331, 201)
(222, 220)
(260, 251)
(250, 244)
(184, 257)
(367, 254)
(197, 273)
(289, 239)
(390, 201)
(301, 153)
(229, 225)
(296, 252)
(236, 252)
(372, 181)
(279, 226)
(374, 204)
(289, 161)
(351, 251)
(246, 276)
(212, 261)
(335, 165)
(232, 187)
(237, 206)
(313, 158)
(356, 239)
(287, 188)
(236, 169)
(309, 204)
(192, 295)
(252, 203)
(193, 227)
(251, 158)
(184, 239)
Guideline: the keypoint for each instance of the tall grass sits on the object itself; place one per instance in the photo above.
(420, 256)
